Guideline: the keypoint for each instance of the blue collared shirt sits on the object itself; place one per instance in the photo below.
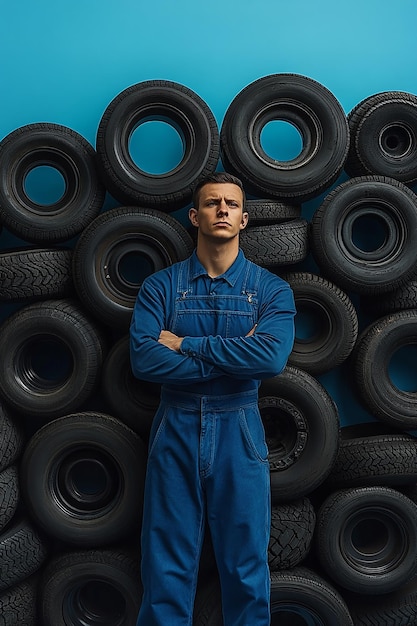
(214, 315)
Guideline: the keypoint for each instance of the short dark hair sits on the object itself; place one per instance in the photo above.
(217, 178)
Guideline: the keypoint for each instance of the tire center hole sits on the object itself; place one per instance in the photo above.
(374, 541)
(88, 477)
(281, 140)
(134, 267)
(369, 233)
(86, 482)
(402, 368)
(396, 141)
(369, 536)
(311, 323)
(44, 185)
(45, 362)
(95, 602)
(156, 147)
(129, 262)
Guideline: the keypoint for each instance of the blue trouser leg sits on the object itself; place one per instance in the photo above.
(238, 501)
(209, 452)
(173, 522)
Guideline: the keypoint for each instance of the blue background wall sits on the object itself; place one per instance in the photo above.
(64, 62)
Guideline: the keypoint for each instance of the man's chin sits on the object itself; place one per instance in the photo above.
(223, 235)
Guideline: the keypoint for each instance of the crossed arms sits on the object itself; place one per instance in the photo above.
(157, 355)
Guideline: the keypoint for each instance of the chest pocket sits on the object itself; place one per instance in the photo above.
(228, 316)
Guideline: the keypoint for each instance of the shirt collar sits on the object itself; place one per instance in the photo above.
(230, 276)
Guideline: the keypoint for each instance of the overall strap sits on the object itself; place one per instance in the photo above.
(183, 281)
(251, 281)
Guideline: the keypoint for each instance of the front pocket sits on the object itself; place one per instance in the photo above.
(253, 430)
(158, 426)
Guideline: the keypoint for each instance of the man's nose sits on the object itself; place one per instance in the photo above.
(222, 207)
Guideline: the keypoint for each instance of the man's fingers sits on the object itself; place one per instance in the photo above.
(171, 341)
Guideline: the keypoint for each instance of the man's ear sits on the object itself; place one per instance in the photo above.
(193, 216)
(244, 222)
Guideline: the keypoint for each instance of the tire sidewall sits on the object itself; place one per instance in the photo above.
(45, 457)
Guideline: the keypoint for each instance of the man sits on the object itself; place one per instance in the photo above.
(209, 329)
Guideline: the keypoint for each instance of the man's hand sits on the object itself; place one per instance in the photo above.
(251, 332)
(171, 341)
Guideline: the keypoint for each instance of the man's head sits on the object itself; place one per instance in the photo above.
(218, 211)
(217, 178)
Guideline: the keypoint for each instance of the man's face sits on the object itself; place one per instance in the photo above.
(220, 212)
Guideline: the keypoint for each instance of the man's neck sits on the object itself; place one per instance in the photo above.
(217, 258)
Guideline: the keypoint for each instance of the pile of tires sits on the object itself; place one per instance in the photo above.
(74, 423)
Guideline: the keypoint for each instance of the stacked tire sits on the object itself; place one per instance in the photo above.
(74, 422)
(23, 548)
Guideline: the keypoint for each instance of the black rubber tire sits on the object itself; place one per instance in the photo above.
(11, 438)
(90, 587)
(23, 551)
(389, 206)
(68, 152)
(54, 467)
(383, 136)
(404, 297)
(117, 251)
(180, 107)
(385, 460)
(302, 432)
(52, 357)
(292, 528)
(280, 244)
(265, 211)
(9, 494)
(34, 274)
(131, 400)
(367, 539)
(398, 608)
(332, 323)
(372, 355)
(298, 596)
(301, 596)
(307, 105)
(18, 604)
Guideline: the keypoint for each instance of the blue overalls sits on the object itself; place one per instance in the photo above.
(207, 462)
